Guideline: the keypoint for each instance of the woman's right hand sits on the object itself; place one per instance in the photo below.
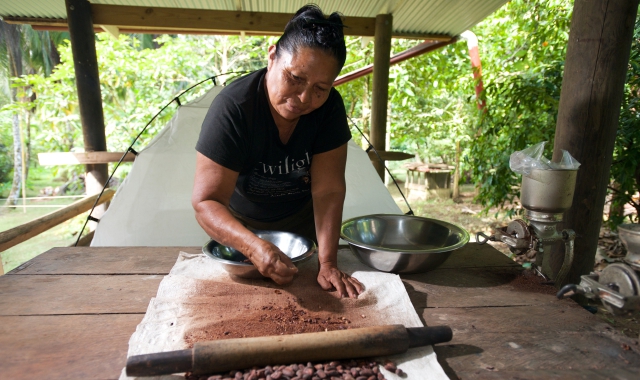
(273, 263)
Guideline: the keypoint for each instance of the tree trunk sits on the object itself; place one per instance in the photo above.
(16, 185)
(12, 37)
(456, 175)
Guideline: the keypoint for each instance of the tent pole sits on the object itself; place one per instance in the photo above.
(380, 96)
(85, 64)
(592, 87)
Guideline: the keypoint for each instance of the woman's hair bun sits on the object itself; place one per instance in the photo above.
(309, 27)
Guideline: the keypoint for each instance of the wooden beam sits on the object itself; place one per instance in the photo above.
(389, 155)
(114, 31)
(201, 21)
(71, 158)
(85, 64)
(592, 88)
(423, 48)
(17, 235)
(380, 88)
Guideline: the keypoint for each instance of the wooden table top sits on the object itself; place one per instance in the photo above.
(69, 313)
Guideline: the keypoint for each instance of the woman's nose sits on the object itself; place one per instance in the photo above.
(305, 96)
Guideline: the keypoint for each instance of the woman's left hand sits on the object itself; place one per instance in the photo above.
(330, 277)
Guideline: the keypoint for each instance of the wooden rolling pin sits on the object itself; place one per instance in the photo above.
(228, 354)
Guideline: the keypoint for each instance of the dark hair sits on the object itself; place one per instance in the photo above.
(310, 28)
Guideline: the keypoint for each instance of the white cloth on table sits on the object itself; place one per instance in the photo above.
(167, 319)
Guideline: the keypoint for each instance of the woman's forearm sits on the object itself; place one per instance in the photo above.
(327, 210)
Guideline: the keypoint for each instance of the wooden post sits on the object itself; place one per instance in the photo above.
(85, 63)
(380, 88)
(592, 88)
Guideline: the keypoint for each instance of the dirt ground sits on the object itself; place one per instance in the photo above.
(469, 215)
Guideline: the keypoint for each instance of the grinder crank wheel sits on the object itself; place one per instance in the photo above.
(622, 279)
(520, 230)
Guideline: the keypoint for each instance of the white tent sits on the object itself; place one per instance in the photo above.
(153, 205)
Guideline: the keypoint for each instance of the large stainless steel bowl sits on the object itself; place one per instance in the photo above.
(297, 247)
(401, 243)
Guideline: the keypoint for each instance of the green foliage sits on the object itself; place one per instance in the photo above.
(523, 47)
(625, 170)
(6, 155)
(430, 107)
(135, 84)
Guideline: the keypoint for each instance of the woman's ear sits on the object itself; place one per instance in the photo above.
(271, 57)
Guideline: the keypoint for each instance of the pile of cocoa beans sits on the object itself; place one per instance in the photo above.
(335, 370)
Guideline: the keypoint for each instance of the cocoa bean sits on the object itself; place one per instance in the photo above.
(318, 366)
(320, 373)
(287, 371)
(372, 377)
(361, 378)
(390, 367)
(399, 372)
(276, 375)
(308, 371)
(366, 372)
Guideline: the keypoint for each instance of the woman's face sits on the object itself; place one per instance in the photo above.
(299, 83)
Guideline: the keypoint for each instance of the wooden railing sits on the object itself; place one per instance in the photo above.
(37, 226)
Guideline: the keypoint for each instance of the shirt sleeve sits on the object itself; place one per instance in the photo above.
(222, 134)
(334, 130)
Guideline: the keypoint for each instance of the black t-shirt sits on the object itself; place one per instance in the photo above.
(240, 134)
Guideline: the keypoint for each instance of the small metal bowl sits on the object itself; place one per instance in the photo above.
(297, 247)
(401, 243)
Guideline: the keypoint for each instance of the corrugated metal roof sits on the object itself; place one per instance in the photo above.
(449, 17)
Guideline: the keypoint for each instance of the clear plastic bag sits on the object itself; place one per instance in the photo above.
(526, 160)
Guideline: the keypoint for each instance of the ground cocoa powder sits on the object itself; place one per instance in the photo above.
(530, 282)
(254, 308)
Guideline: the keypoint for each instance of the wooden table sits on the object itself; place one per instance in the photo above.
(69, 313)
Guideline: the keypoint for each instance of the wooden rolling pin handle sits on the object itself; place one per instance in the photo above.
(225, 355)
(162, 363)
(428, 336)
(228, 354)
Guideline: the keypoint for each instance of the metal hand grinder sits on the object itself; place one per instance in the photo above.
(618, 285)
(545, 195)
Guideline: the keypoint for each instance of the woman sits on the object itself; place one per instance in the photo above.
(272, 153)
